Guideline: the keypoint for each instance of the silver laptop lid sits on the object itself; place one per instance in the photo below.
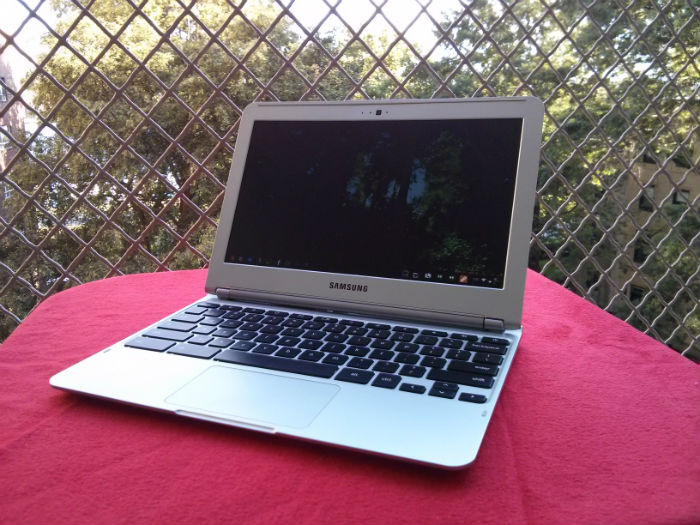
(416, 209)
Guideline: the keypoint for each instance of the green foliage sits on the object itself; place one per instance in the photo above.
(149, 148)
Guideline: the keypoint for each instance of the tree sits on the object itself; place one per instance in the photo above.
(150, 147)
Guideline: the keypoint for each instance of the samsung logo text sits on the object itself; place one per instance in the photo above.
(351, 287)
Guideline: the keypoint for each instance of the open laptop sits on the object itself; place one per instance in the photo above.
(366, 284)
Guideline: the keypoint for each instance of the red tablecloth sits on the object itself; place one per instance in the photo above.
(597, 423)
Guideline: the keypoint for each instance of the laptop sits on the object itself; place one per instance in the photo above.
(366, 284)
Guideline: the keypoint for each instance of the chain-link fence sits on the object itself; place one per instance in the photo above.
(116, 142)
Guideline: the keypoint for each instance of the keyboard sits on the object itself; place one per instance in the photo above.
(442, 363)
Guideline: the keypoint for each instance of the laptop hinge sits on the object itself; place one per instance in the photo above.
(224, 293)
(474, 321)
(494, 325)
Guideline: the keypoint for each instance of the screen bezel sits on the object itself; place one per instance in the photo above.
(415, 299)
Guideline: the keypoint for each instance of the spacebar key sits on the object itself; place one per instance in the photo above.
(307, 368)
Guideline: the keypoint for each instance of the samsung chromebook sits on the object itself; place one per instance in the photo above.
(366, 284)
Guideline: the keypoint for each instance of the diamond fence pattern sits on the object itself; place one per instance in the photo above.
(116, 143)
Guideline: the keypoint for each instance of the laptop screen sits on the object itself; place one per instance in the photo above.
(427, 200)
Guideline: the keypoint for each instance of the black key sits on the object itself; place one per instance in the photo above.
(336, 338)
(213, 312)
(292, 332)
(303, 317)
(487, 347)
(147, 343)
(356, 331)
(334, 328)
(170, 335)
(220, 342)
(378, 326)
(446, 386)
(272, 320)
(324, 319)
(382, 344)
(245, 335)
(461, 378)
(265, 349)
(410, 359)
(310, 344)
(426, 340)
(379, 334)
(314, 334)
(266, 338)
(386, 355)
(224, 332)
(386, 381)
(459, 354)
(433, 362)
(277, 313)
(412, 371)
(253, 327)
(335, 359)
(203, 352)
(405, 329)
(401, 337)
(488, 359)
(437, 333)
(311, 355)
(199, 340)
(312, 325)
(187, 318)
(350, 322)
(451, 343)
(406, 347)
(293, 323)
(195, 310)
(440, 392)
(358, 351)
(243, 346)
(495, 340)
(271, 329)
(472, 398)
(355, 376)
(476, 368)
(359, 362)
(231, 307)
(233, 315)
(434, 351)
(414, 389)
(288, 352)
(252, 310)
(203, 330)
(288, 341)
(206, 304)
(174, 325)
(359, 340)
(333, 347)
(385, 366)
(211, 321)
(464, 337)
(231, 324)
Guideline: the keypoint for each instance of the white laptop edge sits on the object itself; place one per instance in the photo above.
(476, 307)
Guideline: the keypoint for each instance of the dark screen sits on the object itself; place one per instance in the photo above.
(426, 200)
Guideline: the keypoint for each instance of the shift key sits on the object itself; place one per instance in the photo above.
(461, 378)
(474, 368)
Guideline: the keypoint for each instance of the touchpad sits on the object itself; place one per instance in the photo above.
(258, 396)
